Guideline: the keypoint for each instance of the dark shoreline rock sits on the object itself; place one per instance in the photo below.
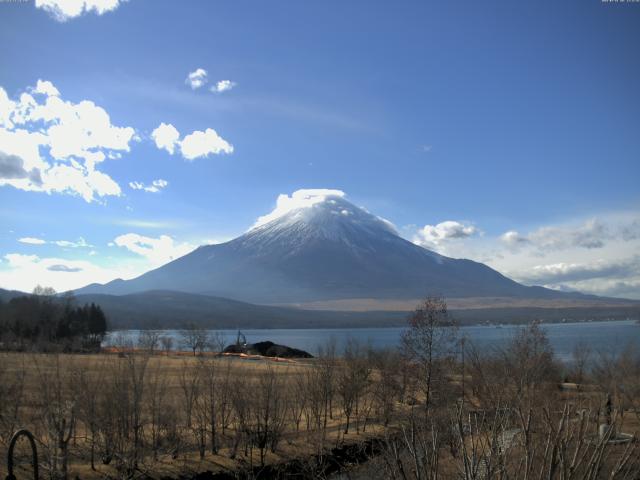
(268, 349)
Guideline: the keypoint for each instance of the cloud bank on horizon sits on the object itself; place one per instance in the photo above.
(595, 255)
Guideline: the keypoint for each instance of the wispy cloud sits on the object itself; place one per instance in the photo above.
(32, 241)
(154, 187)
(273, 104)
(80, 243)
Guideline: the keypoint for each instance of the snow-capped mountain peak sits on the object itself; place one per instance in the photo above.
(331, 218)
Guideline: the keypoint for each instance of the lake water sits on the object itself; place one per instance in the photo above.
(603, 337)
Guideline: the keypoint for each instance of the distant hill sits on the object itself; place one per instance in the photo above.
(331, 250)
(166, 309)
(6, 295)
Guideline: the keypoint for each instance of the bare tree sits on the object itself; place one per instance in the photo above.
(386, 387)
(149, 341)
(580, 356)
(166, 343)
(136, 371)
(189, 385)
(528, 361)
(353, 379)
(157, 406)
(268, 412)
(210, 399)
(430, 342)
(194, 338)
(88, 387)
(57, 412)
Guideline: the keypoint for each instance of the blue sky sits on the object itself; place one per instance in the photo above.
(507, 132)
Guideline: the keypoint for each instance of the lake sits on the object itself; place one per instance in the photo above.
(605, 337)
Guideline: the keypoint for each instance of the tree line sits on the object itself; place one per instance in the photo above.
(44, 321)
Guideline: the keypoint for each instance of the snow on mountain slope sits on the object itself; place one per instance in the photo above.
(322, 248)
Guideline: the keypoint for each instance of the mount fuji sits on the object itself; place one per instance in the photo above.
(325, 250)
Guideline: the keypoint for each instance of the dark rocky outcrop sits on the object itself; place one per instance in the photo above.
(268, 349)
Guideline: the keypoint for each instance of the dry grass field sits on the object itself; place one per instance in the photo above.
(504, 414)
(174, 409)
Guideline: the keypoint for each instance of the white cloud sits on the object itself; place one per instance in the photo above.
(155, 186)
(513, 239)
(45, 87)
(298, 199)
(223, 86)
(158, 251)
(197, 78)
(436, 237)
(32, 241)
(24, 272)
(195, 145)
(51, 145)
(201, 144)
(63, 10)
(166, 137)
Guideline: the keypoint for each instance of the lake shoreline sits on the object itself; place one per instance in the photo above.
(600, 337)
